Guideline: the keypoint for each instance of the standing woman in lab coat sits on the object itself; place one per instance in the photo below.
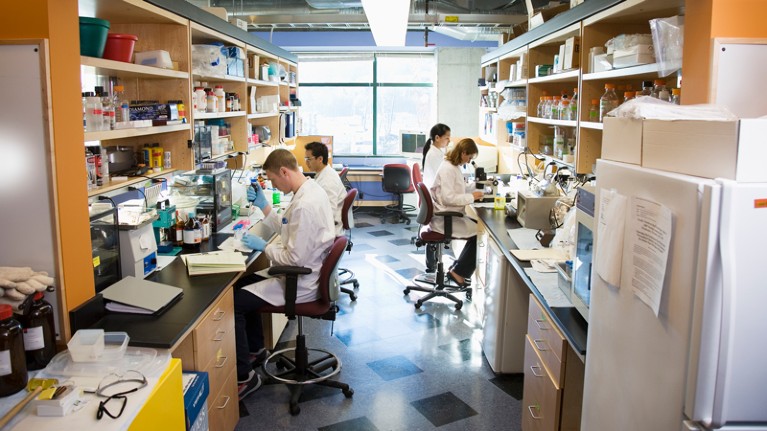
(433, 155)
(305, 233)
(449, 194)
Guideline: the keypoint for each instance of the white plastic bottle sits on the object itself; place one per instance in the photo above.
(94, 115)
(221, 96)
(200, 100)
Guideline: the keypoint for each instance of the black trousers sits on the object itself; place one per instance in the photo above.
(467, 261)
(248, 330)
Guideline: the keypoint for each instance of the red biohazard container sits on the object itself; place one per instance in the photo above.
(119, 47)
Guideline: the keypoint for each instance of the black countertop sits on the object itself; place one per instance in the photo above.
(165, 330)
(568, 319)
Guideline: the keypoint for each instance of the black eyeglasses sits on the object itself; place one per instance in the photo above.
(115, 387)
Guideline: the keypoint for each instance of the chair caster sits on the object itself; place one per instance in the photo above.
(406, 292)
(458, 305)
(348, 392)
(418, 304)
(356, 285)
(468, 294)
(352, 297)
(407, 222)
(294, 409)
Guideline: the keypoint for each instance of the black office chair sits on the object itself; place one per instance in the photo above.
(436, 285)
(396, 180)
(344, 272)
(298, 371)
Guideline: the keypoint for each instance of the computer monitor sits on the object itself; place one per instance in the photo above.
(412, 143)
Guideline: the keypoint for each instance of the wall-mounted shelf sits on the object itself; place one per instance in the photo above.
(649, 71)
(263, 115)
(131, 133)
(557, 161)
(224, 78)
(565, 123)
(112, 186)
(571, 75)
(592, 125)
(122, 69)
(260, 82)
(214, 115)
(522, 83)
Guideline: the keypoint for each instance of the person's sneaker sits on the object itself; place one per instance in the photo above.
(257, 359)
(249, 385)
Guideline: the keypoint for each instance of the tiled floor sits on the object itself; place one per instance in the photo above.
(410, 369)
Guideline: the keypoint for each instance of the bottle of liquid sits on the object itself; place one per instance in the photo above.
(499, 202)
(554, 115)
(646, 88)
(39, 333)
(564, 111)
(107, 109)
(676, 96)
(574, 104)
(658, 86)
(594, 110)
(220, 98)
(94, 115)
(205, 224)
(541, 104)
(192, 233)
(13, 363)
(627, 95)
(122, 109)
(607, 102)
(85, 110)
(212, 102)
(179, 230)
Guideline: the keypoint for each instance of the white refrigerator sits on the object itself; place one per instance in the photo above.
(699, 364)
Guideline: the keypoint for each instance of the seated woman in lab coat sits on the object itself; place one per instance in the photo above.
(433, 155)
(449, 194)
(305, 234)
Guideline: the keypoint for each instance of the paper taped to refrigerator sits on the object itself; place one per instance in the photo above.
(609, 248)
(649, 238)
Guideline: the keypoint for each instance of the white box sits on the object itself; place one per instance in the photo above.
(602, 62)
(572, 53)
(239, 23)
(636, 55)
(622, 140)
(157, 58)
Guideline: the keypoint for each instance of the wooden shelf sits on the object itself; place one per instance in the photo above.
(293, 85)
(565, 123)
(288, 108)
(556, 160)
(121, 69)
(221, 156)
(522, 83)
(128, 12)
(592, 125)
(261, 83)
(649, 71)
(569, 76)
(122, 184)
(214, 115)
(263, 115)
(225, 78)
(130, 133)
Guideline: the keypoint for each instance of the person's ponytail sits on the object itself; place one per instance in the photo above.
(425, 151)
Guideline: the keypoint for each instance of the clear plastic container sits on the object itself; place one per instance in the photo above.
(87, 345)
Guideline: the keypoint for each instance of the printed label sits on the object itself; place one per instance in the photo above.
(189, 236)
(5, 362)
(96, 261)
(33, 338)
(760, 203)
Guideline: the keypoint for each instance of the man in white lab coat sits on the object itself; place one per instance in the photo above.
(305, 235)
(316, 158)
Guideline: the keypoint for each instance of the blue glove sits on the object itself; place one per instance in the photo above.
(256, 195)
(254, 241)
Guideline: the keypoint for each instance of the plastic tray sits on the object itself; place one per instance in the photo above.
(135, 358)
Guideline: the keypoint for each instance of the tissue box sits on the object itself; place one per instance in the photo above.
(636, 55)
(196, 391)
(235, 67)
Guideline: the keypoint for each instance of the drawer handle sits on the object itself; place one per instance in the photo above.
(530, 408)
(533, 368)
(223, 360)
(220, 336)
(538, 344)
(219, 315)
(538, 323)
(226, 403)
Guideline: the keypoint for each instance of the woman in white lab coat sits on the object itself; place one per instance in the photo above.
(434, 152)
(449, 194)
(305, 233)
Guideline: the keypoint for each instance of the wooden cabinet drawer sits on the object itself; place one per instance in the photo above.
(541, 402)
(547, 340)
(223, 363)
(224, 407)
(214, 329)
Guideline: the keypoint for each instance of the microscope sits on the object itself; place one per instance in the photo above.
(488, 185)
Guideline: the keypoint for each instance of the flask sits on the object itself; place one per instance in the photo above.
(594, 111)
(13, 363)
(192, 233)
(179, 230)
(676, 96)
(220, 98)
(554, 113)
(608, 101)
(39, 333)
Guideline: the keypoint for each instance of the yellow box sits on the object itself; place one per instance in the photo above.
(164, 410)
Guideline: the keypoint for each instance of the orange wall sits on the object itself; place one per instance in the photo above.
(709, 19)
(56, 20)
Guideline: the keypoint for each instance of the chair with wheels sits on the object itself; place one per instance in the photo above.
(344, 180)
(435, 285)
(396, 180)
(417, 178)
(347, 274)
(298, 371)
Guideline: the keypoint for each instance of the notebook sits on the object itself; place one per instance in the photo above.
(215, 263)
(134, 295)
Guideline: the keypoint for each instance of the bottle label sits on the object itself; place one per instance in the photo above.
(5, 363)
(179, 235)
(33, 338)
(189, 236)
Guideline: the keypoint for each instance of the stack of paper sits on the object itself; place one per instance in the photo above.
(214, 263)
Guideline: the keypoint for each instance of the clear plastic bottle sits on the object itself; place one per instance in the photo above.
(85, 110)
(676, 96)
(541, 106)
(646, 88)
(13, 362)
(39, 333)
(94, 115)
(608, 101)
(659, 86)
(594, 110)
(122, 109)
(564, 111)
(574, 104)
(554, 115)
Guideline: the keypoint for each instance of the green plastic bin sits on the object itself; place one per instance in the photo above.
(93, 36)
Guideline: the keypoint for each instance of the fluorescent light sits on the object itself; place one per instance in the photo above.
(388, 20)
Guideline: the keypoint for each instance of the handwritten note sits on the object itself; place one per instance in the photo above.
(649, 243)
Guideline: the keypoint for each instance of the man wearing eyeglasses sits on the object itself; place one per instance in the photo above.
(316, 159)
(305, 234)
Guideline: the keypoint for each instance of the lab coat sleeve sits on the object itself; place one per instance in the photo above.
(304, 240)
(450, 189)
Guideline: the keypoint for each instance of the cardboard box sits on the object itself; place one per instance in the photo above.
(572, 53)
(546, 14)
(636, 55)
(196, 389)
(622, 140)
(711, 149)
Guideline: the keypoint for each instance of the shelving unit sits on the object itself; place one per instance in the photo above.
(112, 186)
(119, 69)
(214, 115)
(108, 135)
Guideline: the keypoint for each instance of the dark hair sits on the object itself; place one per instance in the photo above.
(464, 146)
(280, 158)
(318, 149)
(439, 129)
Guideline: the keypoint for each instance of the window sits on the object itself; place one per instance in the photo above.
(364, 100)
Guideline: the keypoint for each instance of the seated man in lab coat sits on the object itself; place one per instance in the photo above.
(305, 234)
(316, 158)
